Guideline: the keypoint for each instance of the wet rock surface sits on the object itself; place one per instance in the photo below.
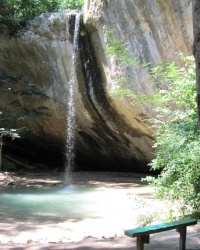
(37, 64)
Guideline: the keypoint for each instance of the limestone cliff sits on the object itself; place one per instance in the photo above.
(37, 64)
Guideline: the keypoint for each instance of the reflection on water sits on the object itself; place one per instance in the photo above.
(54, 205)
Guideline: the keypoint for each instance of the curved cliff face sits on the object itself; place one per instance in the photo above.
(37, 64)
(155, 31)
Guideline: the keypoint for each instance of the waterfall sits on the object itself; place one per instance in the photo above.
(70, 140)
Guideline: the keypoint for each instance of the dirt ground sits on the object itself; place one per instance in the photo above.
(137, 206)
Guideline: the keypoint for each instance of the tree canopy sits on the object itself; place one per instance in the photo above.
(15, 13)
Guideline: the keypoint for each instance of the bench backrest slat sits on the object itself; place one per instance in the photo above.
(159, 227)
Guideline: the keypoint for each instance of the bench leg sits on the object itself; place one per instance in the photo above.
(140, 243)
(182, 239)
(141, 240)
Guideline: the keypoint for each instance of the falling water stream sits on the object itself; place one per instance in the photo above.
(70, 141)
(86, 203)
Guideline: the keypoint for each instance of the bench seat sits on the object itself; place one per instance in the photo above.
(143, 233)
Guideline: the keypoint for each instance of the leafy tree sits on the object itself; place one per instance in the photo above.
(15, 13)
(70, 4)
(177, 138)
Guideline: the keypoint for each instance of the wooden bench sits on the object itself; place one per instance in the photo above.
(143, 233)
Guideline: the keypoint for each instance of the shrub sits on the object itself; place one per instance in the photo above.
(177, 138)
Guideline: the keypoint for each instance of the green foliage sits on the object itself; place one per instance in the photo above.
(70, 4)
(14, 13)
(119, 49)
(177, 139)
(11, 133)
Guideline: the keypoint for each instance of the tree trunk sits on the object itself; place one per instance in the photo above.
(1, 146)
(196, 50)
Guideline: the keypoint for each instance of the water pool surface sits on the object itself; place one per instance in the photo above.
(58, 204)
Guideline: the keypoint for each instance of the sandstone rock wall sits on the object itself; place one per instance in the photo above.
(110, 134)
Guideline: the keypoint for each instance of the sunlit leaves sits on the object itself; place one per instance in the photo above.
(119, 49)
(177, 141)
(14, 13)
(12, 133)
